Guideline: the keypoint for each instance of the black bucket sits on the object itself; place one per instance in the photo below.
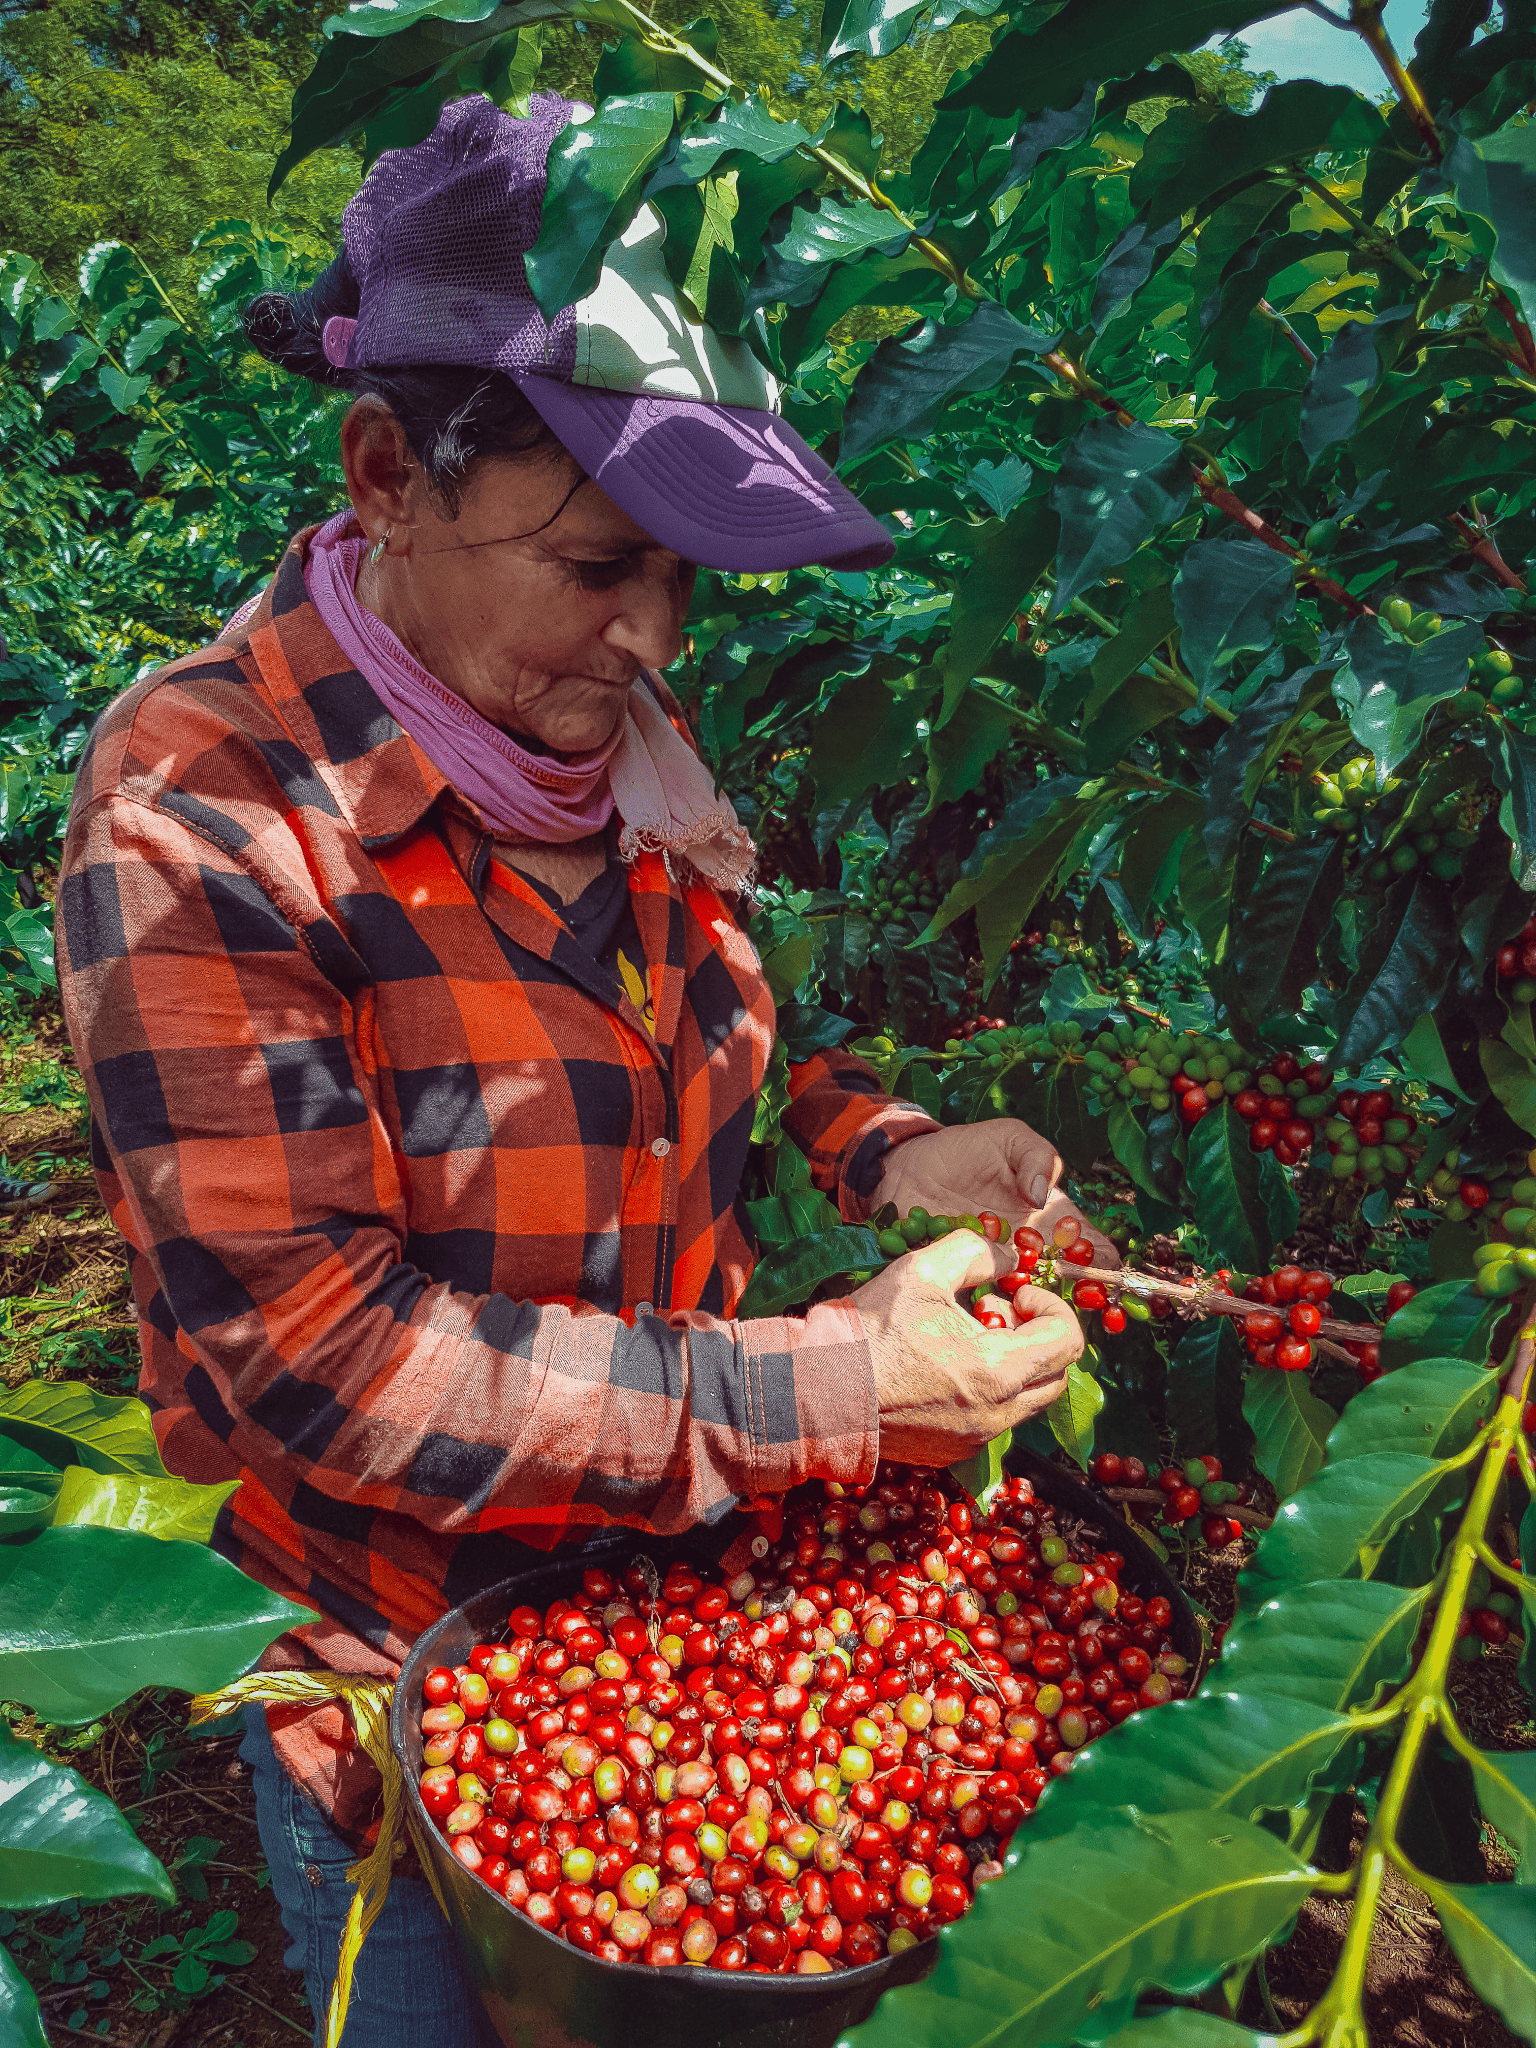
(538, 1991)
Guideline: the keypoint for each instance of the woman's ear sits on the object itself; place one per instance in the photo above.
(384, 479)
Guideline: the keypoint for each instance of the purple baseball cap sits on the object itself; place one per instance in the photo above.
(678, 424)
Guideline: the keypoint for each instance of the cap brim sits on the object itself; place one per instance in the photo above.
(727, 486)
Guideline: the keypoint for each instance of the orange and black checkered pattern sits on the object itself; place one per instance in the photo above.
(434, 1246)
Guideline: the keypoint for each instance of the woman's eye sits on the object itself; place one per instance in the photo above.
(602, 575)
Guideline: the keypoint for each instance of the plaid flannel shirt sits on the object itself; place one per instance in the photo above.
(434, 1246)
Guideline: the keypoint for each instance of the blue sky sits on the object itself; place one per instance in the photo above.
(1298, 45)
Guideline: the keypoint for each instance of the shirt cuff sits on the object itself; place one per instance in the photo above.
(811, 1388)
(859, 1181)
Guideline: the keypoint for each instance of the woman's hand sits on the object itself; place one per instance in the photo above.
(945, 1385)
(1001, 1165)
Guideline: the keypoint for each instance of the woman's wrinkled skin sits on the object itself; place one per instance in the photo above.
(538, 602)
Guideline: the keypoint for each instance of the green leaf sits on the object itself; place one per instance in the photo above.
(64, 1840)
(1146, 622)
(960, 751)
(1240, 1755)
(1290, 1427)
(389, 65)
(1424, 1050)
(1044, 815)
(629, 66)
(21, 2019)
(1228, 597)
(1506, 1792)
(1388, 687)
(88, 1617)
(1196, 153)
(1433, 1407)
(1204, 1386)
(1512, 1077)
(1343, 377)
(122, 392)
(1007, 561)
(1495, 178)
(1514, 772)
(1492, 1932)
(1223, 1180)
(147, 342)
(23, 1509)
(67, 1424)
(1095, 39)
(1122, 1903)
(1384, 1002)
(1071, 1414)
(1183, 2026)
(787, 1278)
(1335, 1644)
(872, 28)
(167, 1508)
(982, 1473)
(863, 738)
(1449, 1320)
(1248, 749)
(903, 390)
(1117, 486)
(597, 171)
(1339, 1523)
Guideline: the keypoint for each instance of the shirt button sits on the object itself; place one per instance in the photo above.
(661, 1147)
(645, 1308)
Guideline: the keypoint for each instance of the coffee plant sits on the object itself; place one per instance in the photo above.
(1174, 788)
(107, 1585)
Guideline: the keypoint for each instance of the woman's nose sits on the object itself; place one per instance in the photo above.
(649, 625)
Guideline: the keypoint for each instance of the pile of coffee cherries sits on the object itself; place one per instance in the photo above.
(805, 1767)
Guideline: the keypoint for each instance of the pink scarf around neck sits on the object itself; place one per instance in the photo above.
(662, 791)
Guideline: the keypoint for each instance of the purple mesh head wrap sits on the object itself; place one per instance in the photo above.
(436, 239)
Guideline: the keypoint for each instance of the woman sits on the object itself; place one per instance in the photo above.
(400, 949)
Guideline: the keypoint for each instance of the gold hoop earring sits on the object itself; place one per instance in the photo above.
(376, 552)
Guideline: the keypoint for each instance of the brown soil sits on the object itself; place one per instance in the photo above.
(204, 1796)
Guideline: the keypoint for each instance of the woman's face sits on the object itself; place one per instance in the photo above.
(537, 603)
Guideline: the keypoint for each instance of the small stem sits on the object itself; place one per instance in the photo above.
(1209, 1302)
(1517, 327)
(1163, 670)
(854, 180)
(1485, 549)
(1365, 19)
(1153, 1496)
(1271, 831)
(1228, 502)
(1362, 227)
(1425, 1707)
(1289, 332)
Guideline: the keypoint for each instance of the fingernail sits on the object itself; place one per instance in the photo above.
(1039, 1190)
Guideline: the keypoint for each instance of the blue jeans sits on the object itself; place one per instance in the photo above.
(409, 1970)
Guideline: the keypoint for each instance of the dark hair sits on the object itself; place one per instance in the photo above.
(453, 415)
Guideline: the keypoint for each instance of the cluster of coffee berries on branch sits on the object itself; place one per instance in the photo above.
(1515, 965)
(1369, 1134)
(1164, 1069)
(890, 896)
(1506, 1197)
(1184, 1494)
(805, 1767)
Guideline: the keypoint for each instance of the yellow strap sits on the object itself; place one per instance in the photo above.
(368, 1702)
